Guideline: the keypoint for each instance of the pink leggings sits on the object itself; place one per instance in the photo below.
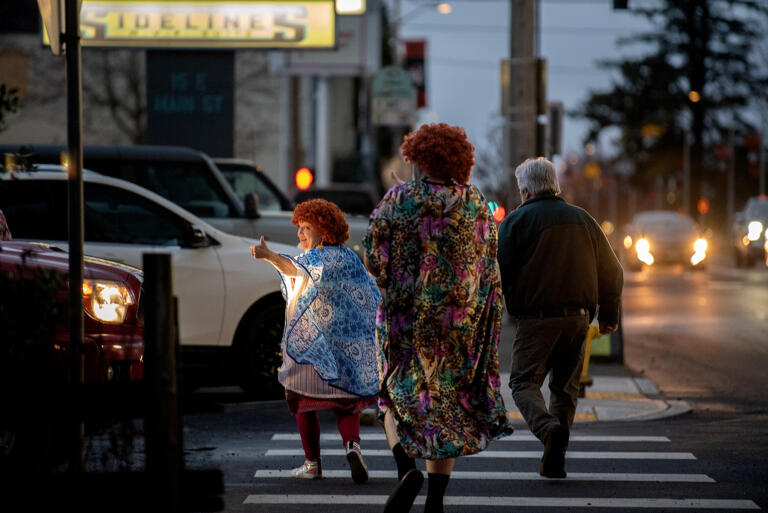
(309, 429)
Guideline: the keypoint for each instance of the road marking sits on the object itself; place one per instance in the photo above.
(512, 476)
(551, 502)
(597, 455)
(519, 437)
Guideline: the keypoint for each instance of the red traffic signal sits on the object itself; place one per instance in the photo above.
(499, 214)
(304, 178)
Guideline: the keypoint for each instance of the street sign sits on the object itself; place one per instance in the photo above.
(52, 12)
(202, 24)
(394, 97)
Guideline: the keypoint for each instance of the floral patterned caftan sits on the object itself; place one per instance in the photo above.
(432, 250)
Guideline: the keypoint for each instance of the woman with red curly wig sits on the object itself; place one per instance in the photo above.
(431, 245)
(329, 348)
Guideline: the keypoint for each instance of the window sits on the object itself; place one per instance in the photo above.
(244, 180)
(120, 216)
(189, 184)
(35, 210)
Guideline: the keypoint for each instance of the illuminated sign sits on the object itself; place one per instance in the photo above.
(209, 24)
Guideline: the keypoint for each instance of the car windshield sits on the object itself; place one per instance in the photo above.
(757, 211)
(670, 224)
(244, 180)
(187, 184)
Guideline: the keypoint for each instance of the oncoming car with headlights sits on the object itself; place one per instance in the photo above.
(663, 237)
(748, 235)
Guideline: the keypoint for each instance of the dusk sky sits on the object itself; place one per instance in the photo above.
(465, 47)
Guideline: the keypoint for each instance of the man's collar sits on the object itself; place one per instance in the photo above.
(546, 196)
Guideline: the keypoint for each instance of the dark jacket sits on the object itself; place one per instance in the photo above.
(552, 255)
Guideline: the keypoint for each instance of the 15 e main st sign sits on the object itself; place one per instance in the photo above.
(209, 24)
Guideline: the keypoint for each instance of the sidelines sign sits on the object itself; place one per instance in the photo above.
(208, 24)
(394, 97)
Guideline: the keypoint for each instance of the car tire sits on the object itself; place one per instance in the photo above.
(257, 350)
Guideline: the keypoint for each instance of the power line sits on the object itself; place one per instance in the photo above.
(552, 29)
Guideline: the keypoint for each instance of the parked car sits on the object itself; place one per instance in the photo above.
(748, 231)
(246, 177)
(352, 198)
(190, 179)
(34, 346)
(355, 200)
(663, 237)
(231, 310)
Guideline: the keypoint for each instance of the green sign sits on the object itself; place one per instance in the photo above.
(394, 97)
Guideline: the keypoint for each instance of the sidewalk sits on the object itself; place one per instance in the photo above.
(615, 395)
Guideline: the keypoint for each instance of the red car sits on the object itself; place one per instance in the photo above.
(113, 345)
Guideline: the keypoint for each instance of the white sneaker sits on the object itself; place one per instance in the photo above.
(309, 470)
(356, 463)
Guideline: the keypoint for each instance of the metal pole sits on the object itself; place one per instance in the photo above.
(761, 186)
(686, 173)
(163, 435)
(322, 133)
(731, 177)
(286, 132)
(71, 40)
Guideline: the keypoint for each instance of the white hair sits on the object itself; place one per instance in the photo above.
(537, 176)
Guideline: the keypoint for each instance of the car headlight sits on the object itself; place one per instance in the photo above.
(754, 230)
(700, 246)
(106, 301)
(628, 241)
(642, 246)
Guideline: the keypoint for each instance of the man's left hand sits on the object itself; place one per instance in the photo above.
(606, 328)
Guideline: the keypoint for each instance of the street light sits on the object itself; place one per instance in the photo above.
(350, 6)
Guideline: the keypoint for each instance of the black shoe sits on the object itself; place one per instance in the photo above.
(405, 492)
(553, 460)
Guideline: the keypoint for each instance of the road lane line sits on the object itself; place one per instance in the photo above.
(522, 437)
(597, 455)
(547, 502)
(512, 476)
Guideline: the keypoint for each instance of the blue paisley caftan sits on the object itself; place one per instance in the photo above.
(329, 347)
(432, 250)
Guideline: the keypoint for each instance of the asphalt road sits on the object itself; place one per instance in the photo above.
(702, 337)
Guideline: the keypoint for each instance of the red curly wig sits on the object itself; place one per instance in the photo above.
(441, 151)
(325, 217)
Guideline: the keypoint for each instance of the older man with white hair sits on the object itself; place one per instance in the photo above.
(558, 271)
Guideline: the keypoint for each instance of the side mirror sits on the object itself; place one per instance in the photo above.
(197, 237)
(251, 202)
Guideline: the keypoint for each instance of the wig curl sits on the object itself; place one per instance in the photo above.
(441, 151)
(325, 217)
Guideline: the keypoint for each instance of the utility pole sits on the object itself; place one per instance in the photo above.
(686, 173)
(521, 122)
(71, 39)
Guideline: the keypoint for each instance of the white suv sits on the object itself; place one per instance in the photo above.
(231, 310)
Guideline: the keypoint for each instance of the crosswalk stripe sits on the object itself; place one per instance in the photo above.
(598, 455)
(513, 476)
(552, 502)
(521, 437)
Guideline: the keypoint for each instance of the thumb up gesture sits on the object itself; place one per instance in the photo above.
(261, 250)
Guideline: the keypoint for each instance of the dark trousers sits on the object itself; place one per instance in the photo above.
(553, 344)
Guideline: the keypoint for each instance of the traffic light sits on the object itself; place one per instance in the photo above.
(304, 178)
(497, 211)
